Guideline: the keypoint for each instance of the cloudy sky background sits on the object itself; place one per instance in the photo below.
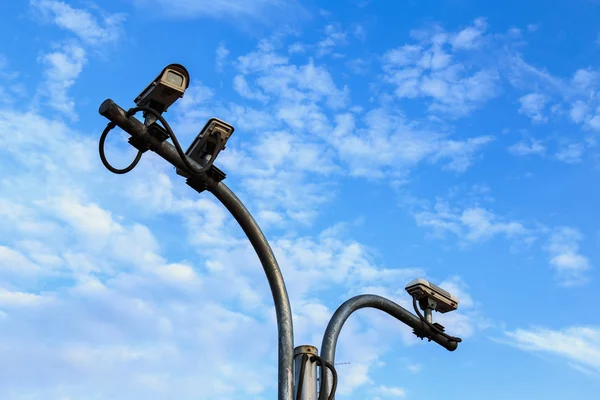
(374, 143)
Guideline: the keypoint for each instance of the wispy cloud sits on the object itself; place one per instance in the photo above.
(91, 29)
(532, 105)
(262, 11)
(334, 37)
(221, 54)
(472, 223)
(11, 90)
(415, 368)
(400, 145)
(470, 37)
(578, 93)
(570, 265)
(527, 147)
(578, 345)
(390, 391)
(63, 68)
(428, 69)
(570, 153)
(65, 63)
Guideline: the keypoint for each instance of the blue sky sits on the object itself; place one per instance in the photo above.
(374, 143)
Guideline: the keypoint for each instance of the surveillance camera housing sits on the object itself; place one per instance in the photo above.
(205, 143)
(166, 89)
(422, 289)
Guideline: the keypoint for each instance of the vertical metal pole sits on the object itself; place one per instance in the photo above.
(305, 373)
(283, 310)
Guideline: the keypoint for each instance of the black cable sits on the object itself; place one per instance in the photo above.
(301, 377)
(218, 148)
(329, 366)
(182, 155)
(433, 327)
(160, 118)
(112, 169)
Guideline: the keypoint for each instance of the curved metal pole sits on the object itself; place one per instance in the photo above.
(280, 296)
(166, 150)
(338, 319)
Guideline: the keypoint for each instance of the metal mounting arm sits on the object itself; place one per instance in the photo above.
(338, 319)
(166, 150)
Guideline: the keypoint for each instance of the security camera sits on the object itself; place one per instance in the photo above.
(209, 142)
(168, 87)
(432, 296)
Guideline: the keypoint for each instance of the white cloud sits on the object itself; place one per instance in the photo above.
(296, 83)
(11, 89)
(281, 157)
(594, 122)
(470, 224)
(360, 32)
(414, 368)
(90, 29)
(355, 376)
(65, 63)
(10, 299)
(359, 66)
(427, 70)
(570, 153)
(532, 105)
(575, 98)
(525, 148)
(390, 391)
(461, 153)
(404, 55)
(578, 345)
(585, 79)
(125, 312)
(525, 76)
(264, 11)
(579, 111)
(262, 59)
(470, 38)
(565, 258)
(62, 69)
(334, 37)
(221, 54)
(13, 263)
(400, 145)
(296, 48)
(300, 99)
(278, 161)
(458, 288)
(241, 86)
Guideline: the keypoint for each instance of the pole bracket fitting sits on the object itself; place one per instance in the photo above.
(210, 178)
(154, 130)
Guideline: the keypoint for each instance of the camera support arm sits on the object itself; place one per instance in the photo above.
(166, 150)
(338, 319)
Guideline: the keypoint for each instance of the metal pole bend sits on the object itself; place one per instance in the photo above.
(340, 316)
(282, 303)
